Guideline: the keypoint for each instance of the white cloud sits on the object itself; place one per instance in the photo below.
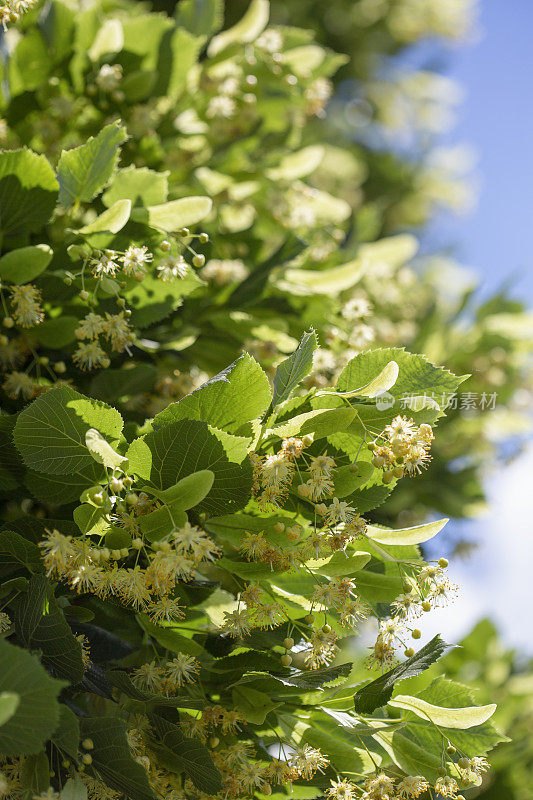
(497, 581)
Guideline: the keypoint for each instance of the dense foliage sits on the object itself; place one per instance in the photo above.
(186, 545)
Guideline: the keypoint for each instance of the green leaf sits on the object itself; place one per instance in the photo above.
(112, 757)
(34, 775)
(152, 300)
(17, 552)
(29, 63)
(320, 730)
(9, 702)
(142, 186)
(450, 694)
(294, 369)
(67, 734)
(461, 718)
(414, 757)
(169, 637)
(28, 192)
(305, 59)
(41, 625)
(176, 214)
(253, 705)
(417, 377)
(111, 220)
(378, 692)
(184, 49)
(102, 452)
(330, 281)
(109, 39)
(320, 422)
(381, 383)
(61, 489)
(87, 517)
(189, 491)
(37, 713)
(178, 753)
(84, 171)
(74, 789)
(406, 536)
(114, 384)
(169, 454)
(237, 395)
(200, 17)
(24, 264)
(56, 332)
(161, 522)
(339, 564)
(298, 164)
(247, 29)
(50, 433)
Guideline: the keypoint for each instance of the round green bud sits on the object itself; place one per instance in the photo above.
(288, 643)
(87, 759)
(279, 527)
(398, 472)
(116, 485)
(214, 741)
(60, 367)
(443, 562)
(165, 246)
(88, 744)
(426, 605)
(442, 771)
(198, 260)
(451, 750)
(203, 238)
(309, 619)
(184, 232)
(416, 633)
(408, 652)
(286, 660)
(84, 294)
(8, 322)
(407, 588)
(326, 628)
(463, 763)
(387, 476)
(132, 498)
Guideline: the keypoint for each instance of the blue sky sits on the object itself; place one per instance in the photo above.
(496, 119)
(496, 73)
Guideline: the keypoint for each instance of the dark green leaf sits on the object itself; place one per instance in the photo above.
(179, 753)
(37, 714)
(112, 759)
(41, 625)
(379, 692)
(291, 372)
